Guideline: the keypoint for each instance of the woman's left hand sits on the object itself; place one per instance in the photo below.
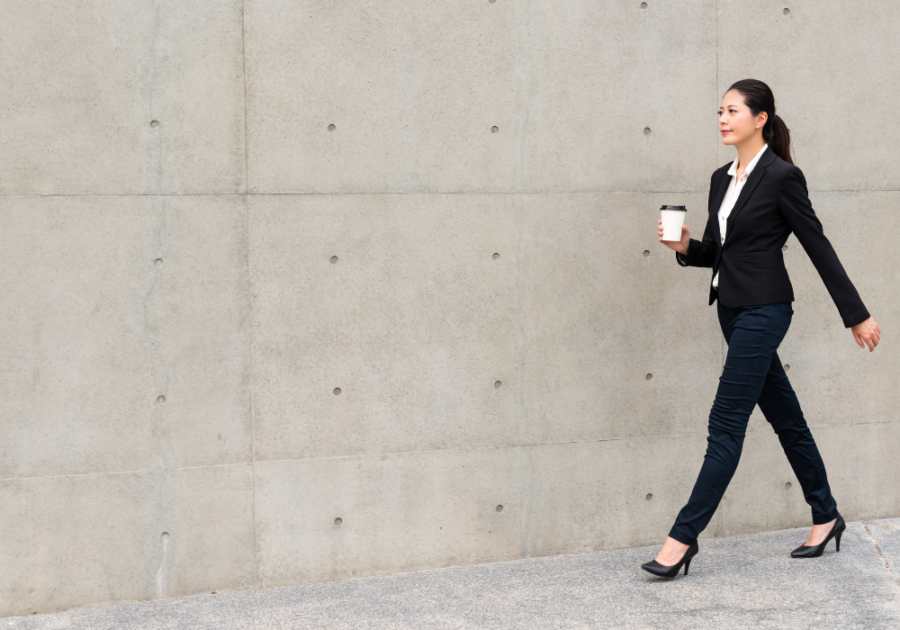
(867, 331)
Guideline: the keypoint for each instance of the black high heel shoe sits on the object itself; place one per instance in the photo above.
(837, 530)
(662, 570)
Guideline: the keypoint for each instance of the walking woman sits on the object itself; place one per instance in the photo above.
(755, 203)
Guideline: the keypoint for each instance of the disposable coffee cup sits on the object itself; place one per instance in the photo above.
(672, 220)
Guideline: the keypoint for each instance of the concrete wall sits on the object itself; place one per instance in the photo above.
(183, 297)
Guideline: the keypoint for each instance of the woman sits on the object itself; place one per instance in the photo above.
(754, 204)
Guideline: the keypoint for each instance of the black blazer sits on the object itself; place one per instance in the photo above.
(773, 203)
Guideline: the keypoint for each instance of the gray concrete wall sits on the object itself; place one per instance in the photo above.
(182, 298)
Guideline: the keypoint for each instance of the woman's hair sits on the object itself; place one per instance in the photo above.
(759, 98)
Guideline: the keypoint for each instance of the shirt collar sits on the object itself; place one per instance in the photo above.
(733, 169)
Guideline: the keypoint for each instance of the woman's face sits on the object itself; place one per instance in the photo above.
(736, 122)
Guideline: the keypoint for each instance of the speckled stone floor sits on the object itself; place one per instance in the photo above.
(738, 582)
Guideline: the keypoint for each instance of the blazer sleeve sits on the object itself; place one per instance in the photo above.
(701, 253)
(793, 198)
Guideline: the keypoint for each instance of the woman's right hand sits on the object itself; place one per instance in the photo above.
(679, 246)
(867, 331)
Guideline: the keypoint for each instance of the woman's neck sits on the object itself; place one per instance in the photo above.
(747, 150)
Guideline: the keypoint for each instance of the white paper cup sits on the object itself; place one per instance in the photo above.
(672, 220)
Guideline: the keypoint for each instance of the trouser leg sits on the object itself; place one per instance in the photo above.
(753, 335)
(780, 406)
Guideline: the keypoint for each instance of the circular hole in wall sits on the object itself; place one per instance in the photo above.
(495, 129)
(161, 400)
(338, 521)
(649, 377)
(331, 127)
(158, 262)
(499, 508)
(498, 384)
(787, 486)
(164, 537)
(646, 131)
(495, 256)
(154, 123)
(649, 497)
(337, 391)
(334, 259)
(646, 253)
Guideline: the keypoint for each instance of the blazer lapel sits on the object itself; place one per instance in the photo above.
(749, 186)
(716, 202)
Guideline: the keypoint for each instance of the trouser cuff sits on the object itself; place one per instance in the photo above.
(819, 519)
(685, 540)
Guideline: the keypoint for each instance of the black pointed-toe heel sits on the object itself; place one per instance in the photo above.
(662, 570)
(837, 530)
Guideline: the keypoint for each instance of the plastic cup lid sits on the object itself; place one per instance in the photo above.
(678, 208)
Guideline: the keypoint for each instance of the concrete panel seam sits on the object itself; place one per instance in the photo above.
(251, 462)
(693, 434)
(154, 41)
(252, 412)
(123, 472)
(380, 192)
(716, 23)
(580, 191)
(880, 554)
(591, 191)
(256, 581)
(856, 424)
(89, 195)
(453, 450)
(244, 81)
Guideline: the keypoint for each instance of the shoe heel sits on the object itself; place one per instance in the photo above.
(687, 565)
(837, 540)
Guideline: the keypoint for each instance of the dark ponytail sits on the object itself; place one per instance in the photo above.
(759, 98)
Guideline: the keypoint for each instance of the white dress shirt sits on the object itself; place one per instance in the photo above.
(734, 191)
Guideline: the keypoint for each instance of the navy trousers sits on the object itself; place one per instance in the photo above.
(753, 375)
